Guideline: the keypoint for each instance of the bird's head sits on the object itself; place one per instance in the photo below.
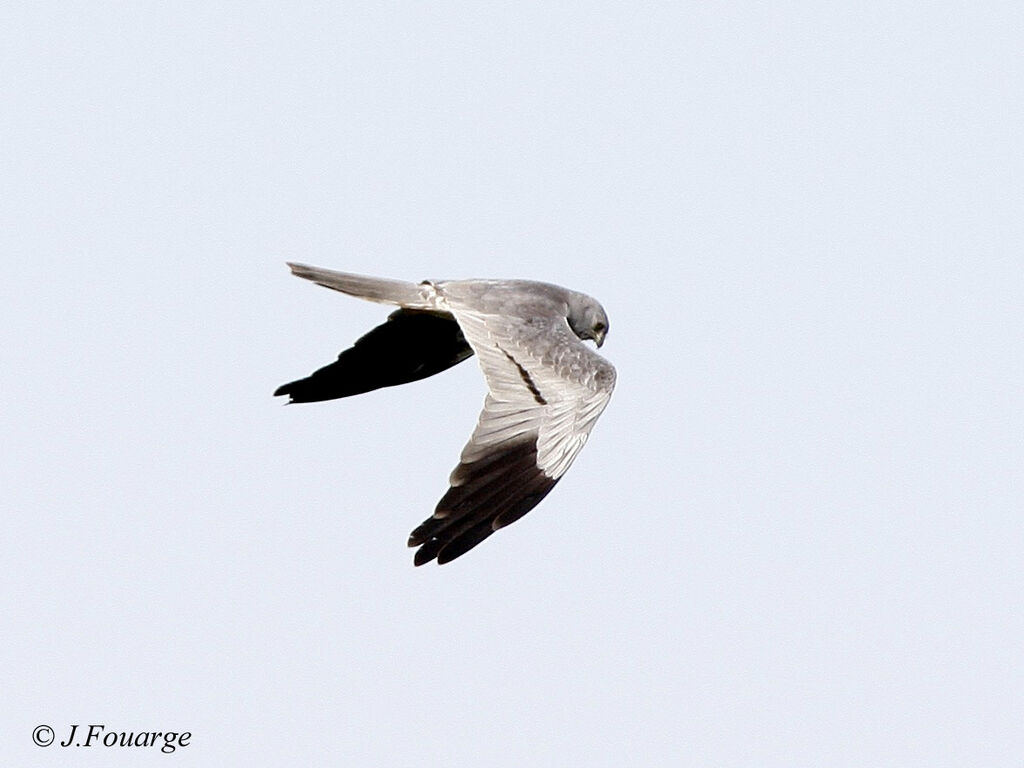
(587, 318)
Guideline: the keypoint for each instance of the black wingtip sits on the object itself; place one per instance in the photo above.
(427, 552)
(409, 346)
(465, 541)
(287, 390)
(489, 493)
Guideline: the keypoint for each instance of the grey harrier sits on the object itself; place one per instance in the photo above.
(546, 387)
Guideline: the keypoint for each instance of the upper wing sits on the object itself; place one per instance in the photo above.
(411, 345)
(547, 389)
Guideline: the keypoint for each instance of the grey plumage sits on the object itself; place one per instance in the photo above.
(546, 387)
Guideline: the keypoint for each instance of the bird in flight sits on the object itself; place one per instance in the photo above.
(546, 388)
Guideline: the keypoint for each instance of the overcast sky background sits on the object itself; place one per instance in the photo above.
(795, 536)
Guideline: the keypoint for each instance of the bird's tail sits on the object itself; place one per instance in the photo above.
(379, 289)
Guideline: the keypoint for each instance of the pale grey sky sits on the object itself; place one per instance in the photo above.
(795, 537)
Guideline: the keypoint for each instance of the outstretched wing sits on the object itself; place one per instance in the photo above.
(411, 345)
(547, 389)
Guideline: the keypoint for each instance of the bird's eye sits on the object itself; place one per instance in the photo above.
(599, 327)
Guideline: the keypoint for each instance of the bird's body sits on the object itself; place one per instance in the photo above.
(546, 387)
